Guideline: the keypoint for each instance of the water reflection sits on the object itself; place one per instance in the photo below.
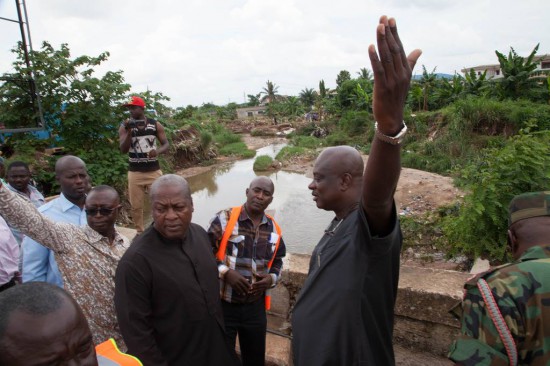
(302, 223)
(293, 208)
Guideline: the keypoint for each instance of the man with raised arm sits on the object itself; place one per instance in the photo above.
(344, 313)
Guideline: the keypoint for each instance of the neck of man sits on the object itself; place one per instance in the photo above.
(255, 216)
(77, 201)
(345, 209)
(109, 234)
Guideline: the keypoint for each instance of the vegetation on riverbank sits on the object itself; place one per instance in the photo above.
(492, 136)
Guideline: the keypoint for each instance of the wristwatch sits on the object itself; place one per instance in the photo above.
(393, 140)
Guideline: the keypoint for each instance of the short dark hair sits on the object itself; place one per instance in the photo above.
(36, 298)
(17, 164)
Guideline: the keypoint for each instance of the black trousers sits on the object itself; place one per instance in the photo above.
(249, 321)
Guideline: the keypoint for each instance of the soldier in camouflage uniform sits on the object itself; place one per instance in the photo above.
(521, 291)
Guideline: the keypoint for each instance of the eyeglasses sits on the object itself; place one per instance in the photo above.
(103, 211)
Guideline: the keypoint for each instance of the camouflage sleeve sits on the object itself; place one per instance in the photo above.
(479, 342)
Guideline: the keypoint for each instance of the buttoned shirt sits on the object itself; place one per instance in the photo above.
(37, 200)
(38, 261)
(9, 254)
(86, 259)
(248, 251)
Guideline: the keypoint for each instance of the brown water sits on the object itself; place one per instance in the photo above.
(301, 221)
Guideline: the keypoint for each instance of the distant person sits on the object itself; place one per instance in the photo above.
(138, 137)
(38, 261)
(250, 251)
(19, 178)
(344, 312)
(505, 313)
(87, 256)
(9, 258)
(167, 292)
(41, 324)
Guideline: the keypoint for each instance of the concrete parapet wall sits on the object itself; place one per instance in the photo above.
(424, 298)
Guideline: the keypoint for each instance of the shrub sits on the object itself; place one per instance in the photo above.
(262, 163)
(522, 165)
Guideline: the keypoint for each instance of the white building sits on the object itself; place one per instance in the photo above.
(493, 71)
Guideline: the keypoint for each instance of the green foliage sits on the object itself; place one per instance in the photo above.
(289, 152)
(262, 163)
(238, 149)
(307, 97)
(356, 123)
(206, 139)
(224, 137)
(521, 165)
(342, 76)
(309, 142)
(516, 71)
(355, 94)
(82, 109)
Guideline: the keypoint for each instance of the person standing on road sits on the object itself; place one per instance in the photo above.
(250, 250)
(344, 312)
(138, 137)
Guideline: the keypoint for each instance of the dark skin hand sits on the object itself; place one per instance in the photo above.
(237, 281)
(242, 286)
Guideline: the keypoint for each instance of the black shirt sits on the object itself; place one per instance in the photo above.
(344, 313)
(167, 301)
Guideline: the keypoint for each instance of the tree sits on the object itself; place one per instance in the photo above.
(450, 90)
(153, 101)
(364, 74)
(323, 91)
(292, 107)
(474, 84)
(516, 78)
(270, 92)
(254, 100)
(84, 110)
(307, 97)
(428, 82)
(341, 77)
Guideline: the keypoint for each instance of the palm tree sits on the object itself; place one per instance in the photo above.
(364, 74)
(428, 81)
(516, 71)
(307, 97)
(474, 84)
(292, 106)
(270, 92)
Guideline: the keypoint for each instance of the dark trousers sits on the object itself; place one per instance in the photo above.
(249, 322)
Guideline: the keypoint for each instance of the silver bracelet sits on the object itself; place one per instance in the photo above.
(393, 140)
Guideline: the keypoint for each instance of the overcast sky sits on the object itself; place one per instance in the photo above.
(198, 51)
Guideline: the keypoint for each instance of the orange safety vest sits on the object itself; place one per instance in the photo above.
(108, 354)
(220, 255)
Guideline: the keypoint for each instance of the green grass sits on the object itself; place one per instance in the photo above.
(237, 149)
(262, 163)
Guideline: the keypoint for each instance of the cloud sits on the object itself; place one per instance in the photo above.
(219, 50)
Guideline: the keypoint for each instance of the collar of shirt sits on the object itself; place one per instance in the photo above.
(244, 216)
(96, 237)
(65, 204)
(536, 252)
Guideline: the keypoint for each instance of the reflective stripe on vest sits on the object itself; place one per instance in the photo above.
(220, 255)
(108, 354)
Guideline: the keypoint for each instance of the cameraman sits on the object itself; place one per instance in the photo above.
(138, 137)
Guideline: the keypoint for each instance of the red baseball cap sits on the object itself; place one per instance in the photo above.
(135, 101)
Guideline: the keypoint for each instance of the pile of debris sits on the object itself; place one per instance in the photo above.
(188, 149)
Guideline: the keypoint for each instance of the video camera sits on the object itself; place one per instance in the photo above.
(133, 123)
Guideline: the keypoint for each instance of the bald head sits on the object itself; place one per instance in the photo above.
(342, 159)
(262, 181)
(68, 162)
(107, 191)
(170, 180)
